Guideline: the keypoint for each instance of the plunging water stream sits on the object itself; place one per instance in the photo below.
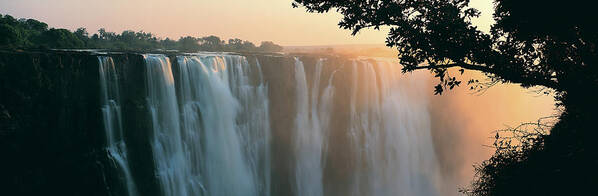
(112, 116)
(220, 128)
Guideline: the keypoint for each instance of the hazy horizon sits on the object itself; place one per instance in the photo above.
(248, 20)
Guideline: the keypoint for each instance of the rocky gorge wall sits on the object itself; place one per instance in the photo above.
(51, 137)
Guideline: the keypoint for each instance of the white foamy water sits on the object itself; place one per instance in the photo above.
(112, 117)
(213, 127)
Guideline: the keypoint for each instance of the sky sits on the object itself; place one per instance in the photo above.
(253, 20)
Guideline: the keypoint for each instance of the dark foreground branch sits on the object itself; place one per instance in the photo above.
(514, 78)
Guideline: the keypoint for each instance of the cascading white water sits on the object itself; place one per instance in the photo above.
(211, 118)
(408, 139)
(210, 112)
(311, 123)
(211, 126)
(253, 119)
(173, 167)
(392, 127)
(112, 117)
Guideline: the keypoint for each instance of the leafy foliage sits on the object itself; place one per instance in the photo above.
(30, 33)
(534, 43)
(59, 38)
(513, 149)
(8, 35)
(529, 161)
(524, 47)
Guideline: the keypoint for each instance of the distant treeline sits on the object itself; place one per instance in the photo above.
(30, 33)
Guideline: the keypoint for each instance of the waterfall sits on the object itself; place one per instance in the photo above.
(389, 130)
(211, 125)
(311, 123)
(225, 125)
(173, 164)
(392, 130)
(112, 118)
(253, 119)
(210, 112)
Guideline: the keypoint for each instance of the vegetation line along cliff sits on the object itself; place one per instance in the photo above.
(33, 34)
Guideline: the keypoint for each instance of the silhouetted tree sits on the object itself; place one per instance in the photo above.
(533, 43)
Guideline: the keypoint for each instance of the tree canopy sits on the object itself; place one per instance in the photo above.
(30, 33)
(532, 43)
(552, 44)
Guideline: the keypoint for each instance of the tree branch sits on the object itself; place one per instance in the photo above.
(462, 65)
(511, 78)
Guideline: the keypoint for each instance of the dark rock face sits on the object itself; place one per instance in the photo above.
(51, 134)
(51, 128)
(136, 125)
